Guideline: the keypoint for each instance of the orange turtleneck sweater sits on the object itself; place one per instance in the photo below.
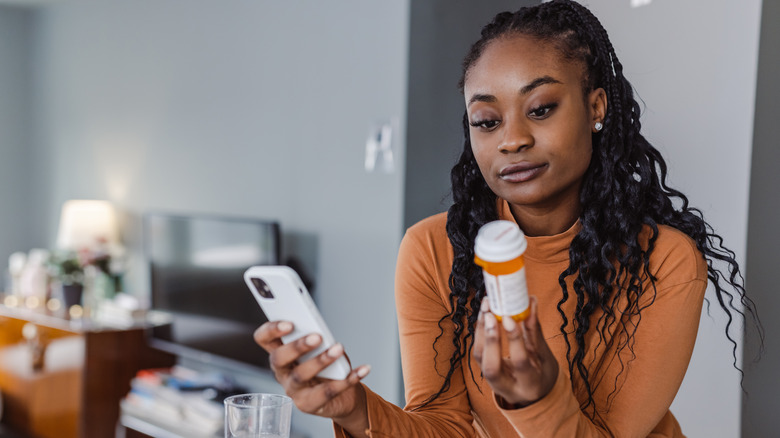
(632, 393)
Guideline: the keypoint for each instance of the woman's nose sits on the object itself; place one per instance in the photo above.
(516, 137)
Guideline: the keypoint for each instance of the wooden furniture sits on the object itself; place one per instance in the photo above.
(87, 371)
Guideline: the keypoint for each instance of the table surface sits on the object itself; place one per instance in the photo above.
(60, 320)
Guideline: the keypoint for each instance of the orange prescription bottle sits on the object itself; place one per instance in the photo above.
(499, 249)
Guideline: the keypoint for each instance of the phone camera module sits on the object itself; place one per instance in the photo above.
(262, 288)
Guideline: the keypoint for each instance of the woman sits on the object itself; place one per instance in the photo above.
(618, 272)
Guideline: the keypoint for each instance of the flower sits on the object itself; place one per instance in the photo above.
(66, 267)
(69, 266)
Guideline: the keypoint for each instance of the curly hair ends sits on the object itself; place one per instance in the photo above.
(624, 190)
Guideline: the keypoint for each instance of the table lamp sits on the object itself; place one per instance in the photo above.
(87, 224)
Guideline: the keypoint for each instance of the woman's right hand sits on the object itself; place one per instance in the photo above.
(344, 401)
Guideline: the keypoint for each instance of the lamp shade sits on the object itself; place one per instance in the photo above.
(87, 224)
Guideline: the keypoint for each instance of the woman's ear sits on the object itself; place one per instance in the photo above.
(597, 103)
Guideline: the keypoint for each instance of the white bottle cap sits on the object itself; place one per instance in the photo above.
(499, 241)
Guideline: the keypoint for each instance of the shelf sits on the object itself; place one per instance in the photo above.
(158, 426)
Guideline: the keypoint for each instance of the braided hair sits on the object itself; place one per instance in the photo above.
(624, 190)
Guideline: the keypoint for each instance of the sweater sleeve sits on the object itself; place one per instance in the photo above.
(635, 388)
(420, 308)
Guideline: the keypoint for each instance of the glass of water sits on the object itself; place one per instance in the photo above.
(258, 416)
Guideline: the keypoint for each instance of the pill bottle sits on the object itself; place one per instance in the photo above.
(499, 249)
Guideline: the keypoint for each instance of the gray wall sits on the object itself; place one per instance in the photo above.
(237, 107)
(693, 63)
(15, 131)
(760, 406)
(441, 32)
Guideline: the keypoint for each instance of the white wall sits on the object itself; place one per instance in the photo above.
(693, 63)
(252, 108)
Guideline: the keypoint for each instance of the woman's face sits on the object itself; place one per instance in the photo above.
(530, 123)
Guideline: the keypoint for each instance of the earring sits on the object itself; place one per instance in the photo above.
(598, 126)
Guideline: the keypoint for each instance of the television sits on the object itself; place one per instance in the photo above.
(196, 265)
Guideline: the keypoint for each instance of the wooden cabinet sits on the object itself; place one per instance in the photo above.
(87, 371)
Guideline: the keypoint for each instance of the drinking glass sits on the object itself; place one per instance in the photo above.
(258, 415)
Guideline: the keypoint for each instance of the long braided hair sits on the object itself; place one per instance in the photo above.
(623, 191)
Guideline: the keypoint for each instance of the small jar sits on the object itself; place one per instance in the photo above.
(499, 249)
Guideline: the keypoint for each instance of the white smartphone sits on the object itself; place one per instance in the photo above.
(281, 294)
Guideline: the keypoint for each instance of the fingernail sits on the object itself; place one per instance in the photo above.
(312, 340)
(509, 323)
(490, 322)
(284, 326)
(363, 371)
(484, 307)
(336, 350)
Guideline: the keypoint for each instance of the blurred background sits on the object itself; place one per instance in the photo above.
(341, 120)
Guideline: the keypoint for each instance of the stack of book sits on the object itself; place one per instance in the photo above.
(180, 400)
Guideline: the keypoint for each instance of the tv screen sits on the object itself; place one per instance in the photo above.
(196, 270)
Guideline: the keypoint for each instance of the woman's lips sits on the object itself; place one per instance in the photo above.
(521, 172)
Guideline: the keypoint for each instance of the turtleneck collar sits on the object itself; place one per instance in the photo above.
(548, 249)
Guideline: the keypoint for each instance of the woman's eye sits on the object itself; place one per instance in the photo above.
(485, 124)
(542, 111)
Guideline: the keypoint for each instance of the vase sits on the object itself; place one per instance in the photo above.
(98, 288)
(71, 294)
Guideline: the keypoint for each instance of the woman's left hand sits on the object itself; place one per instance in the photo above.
(530, 370)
